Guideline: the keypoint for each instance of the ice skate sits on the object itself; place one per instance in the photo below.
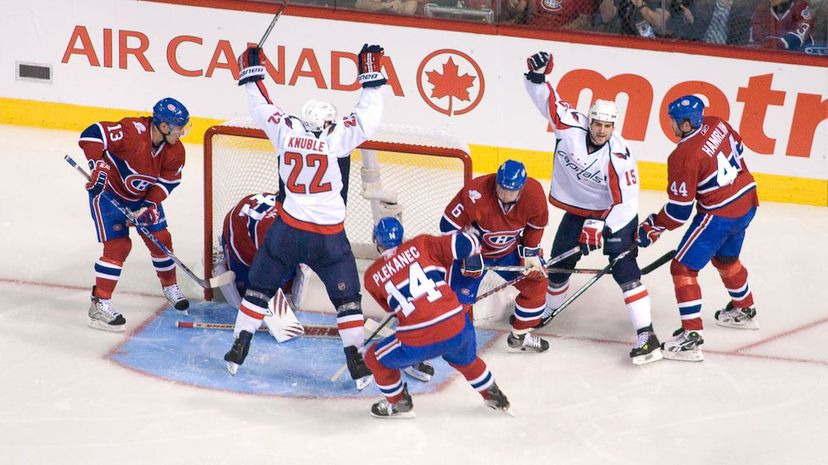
(495, 399)
(684, 345)
(422, 371)
(647, 349)
(176, 298)
(526, 342)
(359, 371)
(236, 355)
(103, 316)
(739, 318)
(402, 409)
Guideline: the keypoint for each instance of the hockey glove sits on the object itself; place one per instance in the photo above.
(148, 214)
(251, 65)
(97, 180)
(591, 236)
(539, 64)
(472, 266)
(532, 259)
(648, 232)
(370, 62)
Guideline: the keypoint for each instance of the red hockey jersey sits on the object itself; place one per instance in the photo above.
(247, 223)
(137, 170)
(477, 206)
(792, 29)
(410, 280)
(707, 167)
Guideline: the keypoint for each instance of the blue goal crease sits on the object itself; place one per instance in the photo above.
(301, 367)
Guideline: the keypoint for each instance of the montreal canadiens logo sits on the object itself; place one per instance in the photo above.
(137, 184)
(552, 5)
(171, 107)
(498, 242)
(450, 82)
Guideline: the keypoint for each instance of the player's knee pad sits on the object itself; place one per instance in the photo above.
(371, 358)
(163, 237)
(682, 276)
(117, 249)
(626, 270)
(258, 298)
(352, 307)
(727, 266)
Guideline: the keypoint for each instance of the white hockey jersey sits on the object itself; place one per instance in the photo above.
(308, 164)
(602, 184)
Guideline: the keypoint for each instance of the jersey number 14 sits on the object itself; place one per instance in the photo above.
(419, 284)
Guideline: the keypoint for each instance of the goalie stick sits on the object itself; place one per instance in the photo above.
(647, 269)
(215, 281)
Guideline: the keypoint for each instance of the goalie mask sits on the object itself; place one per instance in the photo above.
(317, 115)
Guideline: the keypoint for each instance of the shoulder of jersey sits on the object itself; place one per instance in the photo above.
(575, 119)
(619, 146)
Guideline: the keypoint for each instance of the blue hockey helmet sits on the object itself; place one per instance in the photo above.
(688, 107)
(388, 233)
(511, 175)
(171, 111)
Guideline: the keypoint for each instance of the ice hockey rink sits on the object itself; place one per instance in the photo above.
(760, 397)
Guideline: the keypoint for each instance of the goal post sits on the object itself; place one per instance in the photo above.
(400, 168)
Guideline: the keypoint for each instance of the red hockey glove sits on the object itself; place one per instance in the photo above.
(532, 259)
(592, 235)
(472, 266)
(251, 65)
(148, 214)
(539, 64)
(97, 180)
(648, 232)
(370, 62)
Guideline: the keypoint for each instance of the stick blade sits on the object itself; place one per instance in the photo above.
(225, 278)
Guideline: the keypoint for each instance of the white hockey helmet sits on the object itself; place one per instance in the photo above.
(603, 110)
(315, 113)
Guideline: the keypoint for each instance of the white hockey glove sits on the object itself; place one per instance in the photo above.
(539, 64)
(532, 259)
(592, 235)
(370, 62)
(251, 65)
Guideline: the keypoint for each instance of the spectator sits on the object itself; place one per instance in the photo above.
(681, 22)
(513, 11)
(401, 7)
(643, 18)
(724, 21)
(560, 14)
(782, 25)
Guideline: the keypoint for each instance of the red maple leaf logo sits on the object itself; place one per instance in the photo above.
(450, 84)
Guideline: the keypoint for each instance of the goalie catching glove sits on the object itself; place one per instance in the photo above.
(532, 259)
(370, 62)
(539, 64)
(251, 65)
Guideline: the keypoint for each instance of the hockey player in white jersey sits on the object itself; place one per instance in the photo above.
(310, 227)
(595, 181)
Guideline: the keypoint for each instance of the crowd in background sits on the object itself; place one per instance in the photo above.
(793, 25)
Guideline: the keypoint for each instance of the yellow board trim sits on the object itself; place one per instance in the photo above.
(486, 159)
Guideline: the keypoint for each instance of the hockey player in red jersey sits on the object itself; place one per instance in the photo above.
(409, 280)
(508, 212)
(782, 25)
(138, 163)
(595, 181)
(310, 226)
(706, 168)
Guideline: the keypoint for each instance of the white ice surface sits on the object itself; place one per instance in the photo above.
(758, 398)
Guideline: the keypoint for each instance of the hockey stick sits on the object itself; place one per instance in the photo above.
(370, 338)
(321, 331)
(512, 281)
(272, 24)
(647, 269)
(550, 269)
(215, 281)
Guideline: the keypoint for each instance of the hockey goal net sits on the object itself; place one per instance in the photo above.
(419, 168)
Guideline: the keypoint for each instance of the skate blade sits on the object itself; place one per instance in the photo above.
(750, 324)
(416, 374)
(397, 416)
(232, 368)
(97, 324)
(653, 356)
(364, 382)
(183, 312)
(684, 356)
